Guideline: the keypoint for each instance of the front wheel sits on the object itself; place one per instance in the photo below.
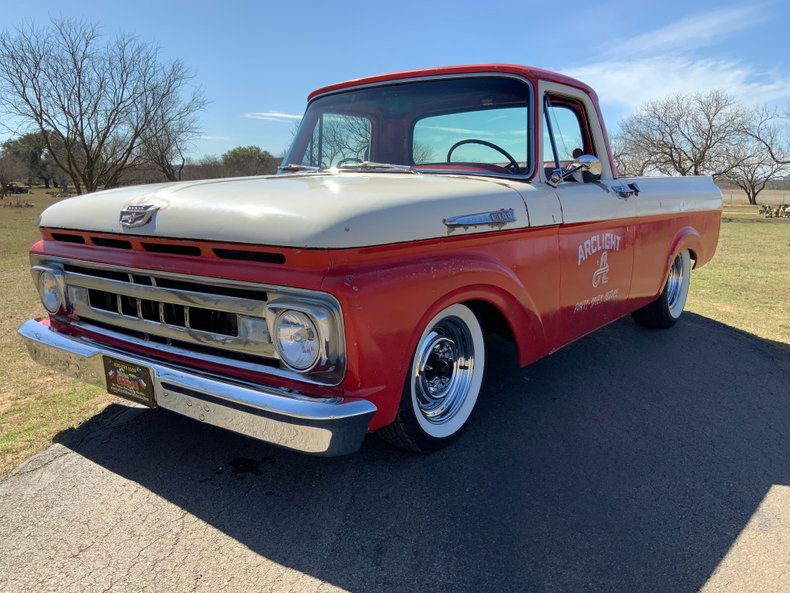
(664, 312)
(444, 380)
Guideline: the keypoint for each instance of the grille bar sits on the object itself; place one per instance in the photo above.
(241, 343)
(185, 298)
(137, 303)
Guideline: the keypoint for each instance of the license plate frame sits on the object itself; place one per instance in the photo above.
(130, 381)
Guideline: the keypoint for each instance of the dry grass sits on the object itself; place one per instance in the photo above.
(747, 286)
(35, 403)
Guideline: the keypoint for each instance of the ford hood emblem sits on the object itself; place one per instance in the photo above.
(137, 215)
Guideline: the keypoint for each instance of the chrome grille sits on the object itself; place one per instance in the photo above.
(214, 320)
(189, 311)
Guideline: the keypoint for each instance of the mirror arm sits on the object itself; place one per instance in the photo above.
(561, 175)
(585, 162)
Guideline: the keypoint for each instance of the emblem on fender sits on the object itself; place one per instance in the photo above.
(137, 215)
(493, 218)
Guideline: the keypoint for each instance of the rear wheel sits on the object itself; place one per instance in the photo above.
(443, 383)
(664, 312)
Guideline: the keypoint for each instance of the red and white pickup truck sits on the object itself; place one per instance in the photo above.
(415, 213)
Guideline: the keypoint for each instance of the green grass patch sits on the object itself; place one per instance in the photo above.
(747, 285)
(35, 403)
(31, 420)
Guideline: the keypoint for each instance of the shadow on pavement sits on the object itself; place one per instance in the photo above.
(629, 461)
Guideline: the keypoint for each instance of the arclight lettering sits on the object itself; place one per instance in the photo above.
(600, 242)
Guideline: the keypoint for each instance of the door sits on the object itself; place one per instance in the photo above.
(596, 236)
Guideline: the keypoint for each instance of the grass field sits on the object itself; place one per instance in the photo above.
(746, 286)
(35, 403)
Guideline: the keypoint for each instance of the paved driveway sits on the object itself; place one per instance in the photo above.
(631, 461)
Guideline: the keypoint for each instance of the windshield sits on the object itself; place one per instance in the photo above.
(457, 125)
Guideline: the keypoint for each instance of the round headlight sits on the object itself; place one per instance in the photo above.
(49, 292)
(296, 339)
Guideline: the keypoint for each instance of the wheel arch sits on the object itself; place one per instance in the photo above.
(498, 311)
(687, 238)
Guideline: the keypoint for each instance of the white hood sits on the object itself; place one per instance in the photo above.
(311, 211)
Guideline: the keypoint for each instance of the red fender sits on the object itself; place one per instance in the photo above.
(686, 238)
(520, 314)
(393, 300)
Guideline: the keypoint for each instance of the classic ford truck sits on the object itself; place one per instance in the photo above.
(353, 292)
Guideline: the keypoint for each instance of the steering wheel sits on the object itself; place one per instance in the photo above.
(512, 166)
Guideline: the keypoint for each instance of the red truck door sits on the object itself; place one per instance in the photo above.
(596, 238)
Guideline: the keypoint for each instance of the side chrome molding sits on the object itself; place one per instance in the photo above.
(494, 218)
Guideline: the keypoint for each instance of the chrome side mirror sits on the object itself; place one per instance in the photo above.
(585, 162)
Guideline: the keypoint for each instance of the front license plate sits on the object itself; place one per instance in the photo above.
(130, 381)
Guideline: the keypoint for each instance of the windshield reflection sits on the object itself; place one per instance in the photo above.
(475, 125)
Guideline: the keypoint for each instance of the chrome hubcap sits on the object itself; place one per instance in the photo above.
(675, 282)
(444, 369)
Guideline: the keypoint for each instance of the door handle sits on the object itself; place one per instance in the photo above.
(626, 190)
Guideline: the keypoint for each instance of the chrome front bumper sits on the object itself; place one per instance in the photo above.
(311, 425)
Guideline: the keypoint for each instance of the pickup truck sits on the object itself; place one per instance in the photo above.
(415, 214)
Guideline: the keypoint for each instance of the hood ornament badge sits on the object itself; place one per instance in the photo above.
(137, 215)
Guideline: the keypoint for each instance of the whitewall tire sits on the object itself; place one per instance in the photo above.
(443, 383)
(664, 312)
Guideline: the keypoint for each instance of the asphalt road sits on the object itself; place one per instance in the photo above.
(631, 461)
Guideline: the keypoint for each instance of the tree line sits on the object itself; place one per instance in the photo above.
(26, 158)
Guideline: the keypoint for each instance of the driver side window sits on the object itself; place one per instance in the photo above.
(483, 136)
(565, 134)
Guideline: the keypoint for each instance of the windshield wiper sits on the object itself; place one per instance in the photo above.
(293, 167)
(372, 166)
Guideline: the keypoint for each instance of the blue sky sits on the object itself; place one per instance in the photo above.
(257, 61)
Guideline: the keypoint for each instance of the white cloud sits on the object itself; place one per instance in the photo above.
(665, 61)
(273, 116)
(449, 130)
(211, 138)
(631, 83)
(692, 32)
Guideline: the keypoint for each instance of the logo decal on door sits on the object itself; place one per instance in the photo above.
(601, 274)
(603, 244)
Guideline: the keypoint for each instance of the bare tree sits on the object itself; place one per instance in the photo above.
(173, 130)
(688, 134)
(422, 153)
(630, 158)
(759, 159)
(100, 101)
(339, 139)
(754, 173)
(11, 167)
(771, 129)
